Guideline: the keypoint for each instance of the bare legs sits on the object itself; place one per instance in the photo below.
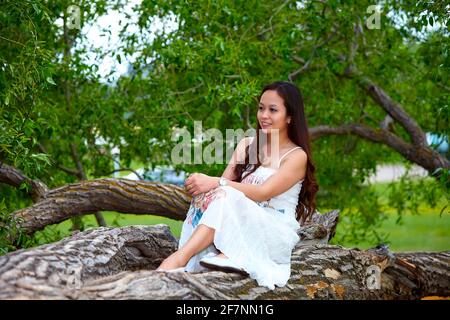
(202, 237)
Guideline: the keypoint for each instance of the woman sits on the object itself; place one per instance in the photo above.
(247, 220)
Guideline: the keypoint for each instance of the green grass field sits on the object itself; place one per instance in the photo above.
(427, 231)
(424, 232)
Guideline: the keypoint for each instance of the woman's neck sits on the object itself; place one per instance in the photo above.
(272, 152)
(283, 140)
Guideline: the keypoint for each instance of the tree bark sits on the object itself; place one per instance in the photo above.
(108, 263)
(121, 195)
(119, 263)
(82, 176)
(421, 155)
(14, 177)
(127, 196)
(395, 110)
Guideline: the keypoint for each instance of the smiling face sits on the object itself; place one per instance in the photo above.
(272, 113)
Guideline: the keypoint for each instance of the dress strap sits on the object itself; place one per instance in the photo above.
(284, 155)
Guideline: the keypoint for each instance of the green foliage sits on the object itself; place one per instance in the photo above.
(408, 195)
(26, 69)
(11, 236)
(54, 107)
(221, 48)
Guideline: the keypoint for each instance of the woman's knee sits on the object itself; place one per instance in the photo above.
(229, 190)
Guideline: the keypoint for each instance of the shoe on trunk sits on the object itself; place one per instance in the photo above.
(222, 264)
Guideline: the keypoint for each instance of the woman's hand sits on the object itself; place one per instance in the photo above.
(198, 183)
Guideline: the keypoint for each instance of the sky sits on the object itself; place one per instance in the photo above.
(114, 22)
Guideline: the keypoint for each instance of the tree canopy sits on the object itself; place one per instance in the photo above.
(373, 84)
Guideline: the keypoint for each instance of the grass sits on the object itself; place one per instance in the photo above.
(112, 219)
(424, 232)
(427, 231)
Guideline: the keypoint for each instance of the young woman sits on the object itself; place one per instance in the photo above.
(247, 220)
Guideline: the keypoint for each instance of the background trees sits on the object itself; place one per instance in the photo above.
(370, 94)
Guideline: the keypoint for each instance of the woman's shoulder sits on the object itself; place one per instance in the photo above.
(297, 149)
(295, 152)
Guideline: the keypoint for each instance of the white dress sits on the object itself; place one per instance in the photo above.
(257, 236)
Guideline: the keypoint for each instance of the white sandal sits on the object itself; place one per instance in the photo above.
(181, 269)
(222, 264)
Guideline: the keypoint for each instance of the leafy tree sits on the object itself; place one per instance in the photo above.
(210, 67)
(222, 53)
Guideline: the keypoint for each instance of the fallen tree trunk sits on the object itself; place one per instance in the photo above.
(126, 196)
(36, 188)
(121, 195)
(118, 263)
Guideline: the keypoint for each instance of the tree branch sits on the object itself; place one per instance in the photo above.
(121, 195)
(127, 196)
(82, 176)
(119, 263)
(67, 170)
(366, 132)
(394, 110)
(423, 156)
(14, 177)
(294, 75)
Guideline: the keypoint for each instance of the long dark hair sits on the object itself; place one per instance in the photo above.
(297, 133)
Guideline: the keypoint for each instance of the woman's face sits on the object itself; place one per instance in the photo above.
(272, 113)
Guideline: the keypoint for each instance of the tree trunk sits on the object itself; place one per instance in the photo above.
(127, 196)
(119, 263)
(121, 195)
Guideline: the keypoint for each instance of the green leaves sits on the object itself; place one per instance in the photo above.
(50, 80)
(212, 68)
(42, 157)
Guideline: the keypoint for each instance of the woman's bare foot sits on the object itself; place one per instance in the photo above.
(222, 256)
(174, 261)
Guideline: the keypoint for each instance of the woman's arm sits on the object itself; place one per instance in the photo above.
(198, 183)
(292, 170)
(238, 156)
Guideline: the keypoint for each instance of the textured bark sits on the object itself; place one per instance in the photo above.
(395, 110)
(422, 155)
(55, 270)
(14, 177)
(127, 196)
(420, 152)
(121, 195)
(108, 263)
(82, 176)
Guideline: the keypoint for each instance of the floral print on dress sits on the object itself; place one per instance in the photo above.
(200, 203)
(252, 178)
